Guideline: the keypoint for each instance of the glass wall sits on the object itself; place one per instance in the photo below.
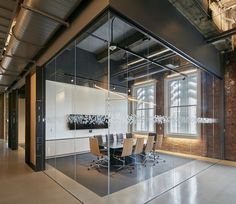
(127, 118)
(76, 111)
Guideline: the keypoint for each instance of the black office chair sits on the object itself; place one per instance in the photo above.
(120, 137)
(100, 142)
(110, 137)
(129, 135)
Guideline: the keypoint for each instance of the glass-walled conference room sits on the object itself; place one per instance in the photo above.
(126, 117)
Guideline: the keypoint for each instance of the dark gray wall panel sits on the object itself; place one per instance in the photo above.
(161, 20)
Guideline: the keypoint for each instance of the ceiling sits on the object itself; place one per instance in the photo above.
(210, 18)
(27, 27)
(33, 24)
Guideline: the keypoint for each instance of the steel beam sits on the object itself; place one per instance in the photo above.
(162, 21)
(149, 60)
(221, 36)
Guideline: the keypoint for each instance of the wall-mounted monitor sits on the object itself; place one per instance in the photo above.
(81, 121)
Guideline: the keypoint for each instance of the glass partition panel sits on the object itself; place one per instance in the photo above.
(156, 93)
(127, 118)
(77, 116)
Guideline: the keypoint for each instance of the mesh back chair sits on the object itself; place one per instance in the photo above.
(129, 135)
(158, 146)
(126, 152)
(100, 141)
(119, 137)
(138, 150)
(139, 146)
(94, 150)
(148, 150)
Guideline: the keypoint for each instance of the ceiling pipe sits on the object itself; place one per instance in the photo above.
(9, 75)
(26, 49)
(4, 85)
(54, 18)
(19, 58)
(221, 36)
(23, 41)
(7, 70)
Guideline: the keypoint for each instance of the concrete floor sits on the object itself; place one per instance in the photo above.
(20, 185)
(198, 182)
(216, 185)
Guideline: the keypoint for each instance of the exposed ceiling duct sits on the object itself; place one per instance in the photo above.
(224, 16)
(211, 18)
(35, 24)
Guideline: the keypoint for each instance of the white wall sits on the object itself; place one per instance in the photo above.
(63, 99)
(21, 120)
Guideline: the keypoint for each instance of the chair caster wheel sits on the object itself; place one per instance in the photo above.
(154, 165)
(88, 169)
(145, 165)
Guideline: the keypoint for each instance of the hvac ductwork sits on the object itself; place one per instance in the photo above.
(35, 24)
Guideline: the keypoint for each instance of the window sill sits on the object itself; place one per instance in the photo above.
(180, 136)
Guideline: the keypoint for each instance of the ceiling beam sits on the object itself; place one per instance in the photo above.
(221, 36)
(150, 60)
(130, 42)
(151, 50)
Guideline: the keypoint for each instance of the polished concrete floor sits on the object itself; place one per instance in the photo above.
(20, 185)
(197, 182)
(76, 167)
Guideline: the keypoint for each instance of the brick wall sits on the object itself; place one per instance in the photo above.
(208, 143)
(230, 107)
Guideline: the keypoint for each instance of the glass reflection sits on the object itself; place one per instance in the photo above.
(112, 86)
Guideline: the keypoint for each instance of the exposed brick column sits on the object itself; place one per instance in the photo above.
(230, 106)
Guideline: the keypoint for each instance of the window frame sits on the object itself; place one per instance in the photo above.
(134, 109)
(198, 106)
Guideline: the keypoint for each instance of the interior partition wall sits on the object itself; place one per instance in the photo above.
(113, 82)
(13, 120)
(34, 119)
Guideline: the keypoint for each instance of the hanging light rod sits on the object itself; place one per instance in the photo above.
(115, 46)
(124, 97)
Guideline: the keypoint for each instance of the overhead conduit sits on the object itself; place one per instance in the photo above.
(35, 25)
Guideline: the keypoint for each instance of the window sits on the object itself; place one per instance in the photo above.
(182, 101)
(144, 107)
